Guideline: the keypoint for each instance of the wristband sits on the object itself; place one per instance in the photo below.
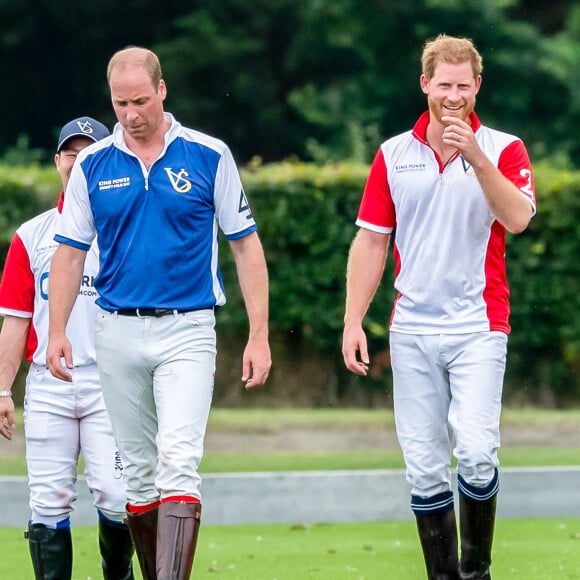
(5, 393)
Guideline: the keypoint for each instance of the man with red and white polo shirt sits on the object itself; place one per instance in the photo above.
(449, 189)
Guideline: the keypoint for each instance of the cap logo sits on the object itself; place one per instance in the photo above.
(85, 127)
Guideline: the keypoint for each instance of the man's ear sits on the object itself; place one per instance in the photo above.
(162, 89)
(424, 82)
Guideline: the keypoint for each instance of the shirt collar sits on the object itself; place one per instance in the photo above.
(171, 133)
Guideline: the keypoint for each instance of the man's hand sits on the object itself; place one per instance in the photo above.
(459, 134)
(7, 422)
(66, 272)
(354, 343)
(509, 201)
(59, 348)
(256, 363)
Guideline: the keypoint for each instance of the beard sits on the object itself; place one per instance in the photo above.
(437, 110)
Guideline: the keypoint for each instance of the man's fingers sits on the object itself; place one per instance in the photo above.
(58, 371)
(256, 377)
(355, 352)
(6, 429)
(58, 350)
(357, 367)
(256, 364)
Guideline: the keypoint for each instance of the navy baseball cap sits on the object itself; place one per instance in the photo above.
(82, 127)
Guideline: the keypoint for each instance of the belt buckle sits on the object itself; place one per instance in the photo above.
(158, 312)
(154, 312)
(145, 312)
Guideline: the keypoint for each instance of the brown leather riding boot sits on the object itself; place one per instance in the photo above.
(176, 539)
(143, 528)
(438, 535)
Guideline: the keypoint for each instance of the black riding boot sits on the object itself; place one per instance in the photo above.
(51, 552)
(438, 535)
(476, 524)
(116, 550)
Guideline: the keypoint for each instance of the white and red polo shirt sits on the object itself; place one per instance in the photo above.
(449, 249)
(24, 289)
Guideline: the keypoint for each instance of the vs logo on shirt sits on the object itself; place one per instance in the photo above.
(178, 180)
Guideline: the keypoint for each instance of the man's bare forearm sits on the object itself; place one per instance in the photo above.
(64, 282)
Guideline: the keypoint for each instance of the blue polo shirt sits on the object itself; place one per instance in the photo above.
(157, 229)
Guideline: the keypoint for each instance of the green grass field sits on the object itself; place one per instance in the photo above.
(272, 421)
(539, 549)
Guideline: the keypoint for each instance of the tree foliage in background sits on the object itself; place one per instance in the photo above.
(314, 79)
(561, 62)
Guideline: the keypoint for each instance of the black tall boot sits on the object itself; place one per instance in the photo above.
(438, 535)
(176, 539)
(51, 552)
(143, 528)
(116, 549)
(476, 524)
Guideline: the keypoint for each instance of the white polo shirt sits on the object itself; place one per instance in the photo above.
(25, 285)
(449, 249)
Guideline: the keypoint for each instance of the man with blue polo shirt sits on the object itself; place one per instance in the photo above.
(155, 194)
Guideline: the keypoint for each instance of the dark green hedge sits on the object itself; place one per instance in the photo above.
(544, 275)
(306, 218)
(24, 192)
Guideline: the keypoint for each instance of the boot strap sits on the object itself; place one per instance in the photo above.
(182, 509)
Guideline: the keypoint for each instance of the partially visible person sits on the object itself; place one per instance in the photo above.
(155, 194)
(450, 189)
(61, 419)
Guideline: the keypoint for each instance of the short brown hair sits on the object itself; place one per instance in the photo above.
(132, 56)
(452, 50)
